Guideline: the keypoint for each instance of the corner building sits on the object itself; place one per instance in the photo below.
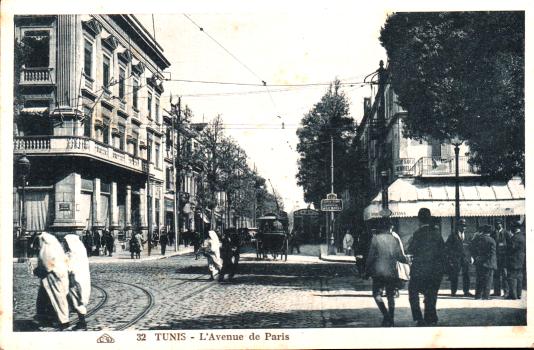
(88, 117)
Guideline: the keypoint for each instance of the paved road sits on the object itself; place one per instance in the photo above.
(175, 293)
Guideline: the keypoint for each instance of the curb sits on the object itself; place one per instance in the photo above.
(116, 260)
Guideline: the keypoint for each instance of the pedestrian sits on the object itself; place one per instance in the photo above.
(155, 238)
(230, 253)
(163, 239)
(136, 245)
(400, 284)
(484, 252)
(428, 258)
(294, 240)
(109, 242)
(97, 242)
(212, 251)
(500, 277)
(79, 278)
(52, 269)
(88, 242)
(197, 243)
(516, 262)
(459, 258)
(348, 242)
(381, 265)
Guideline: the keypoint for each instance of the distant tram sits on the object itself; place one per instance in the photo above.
(307, 223)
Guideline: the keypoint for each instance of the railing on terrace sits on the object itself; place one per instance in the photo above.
(76, 144)
(37, 75)
(438, 166)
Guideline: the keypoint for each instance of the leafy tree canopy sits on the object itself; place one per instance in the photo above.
(329, 117)
(462, 73)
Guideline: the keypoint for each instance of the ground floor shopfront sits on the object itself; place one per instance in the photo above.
(72, 195)
(481, 202)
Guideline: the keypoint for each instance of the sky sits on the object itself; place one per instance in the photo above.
(280, 48)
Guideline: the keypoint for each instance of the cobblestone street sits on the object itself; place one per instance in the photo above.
(304, 292)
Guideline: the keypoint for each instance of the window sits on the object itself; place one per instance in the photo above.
(134, 93)
(168, 178)
(38, 44)
(122, 136)
(135, 136)
(87, 112)
(149, 151)
(149, 104)
(88, 58)
(122, 83)
(157, 109)
(106, 66)
(105, 131)
(157, 155)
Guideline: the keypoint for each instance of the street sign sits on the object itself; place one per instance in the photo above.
(331, 203)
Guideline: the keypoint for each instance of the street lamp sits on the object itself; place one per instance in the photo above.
(23, 167)
(456, 141)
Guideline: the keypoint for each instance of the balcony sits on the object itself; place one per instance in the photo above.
(78, 146)
(442, 167)
(37, 76)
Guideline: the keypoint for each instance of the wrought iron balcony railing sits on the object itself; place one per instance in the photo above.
(438, 166)
(78, 145)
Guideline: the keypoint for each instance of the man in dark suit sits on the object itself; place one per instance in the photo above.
(484, 250)
(516, 261)
(501, 237)
(428, 250)
(459, 258)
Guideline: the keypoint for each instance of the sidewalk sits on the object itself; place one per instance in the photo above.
(123, 256)
(340, 257)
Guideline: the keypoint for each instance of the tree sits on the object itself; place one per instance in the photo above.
(462, 73)
(328, 118)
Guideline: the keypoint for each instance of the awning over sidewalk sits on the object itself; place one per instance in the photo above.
(407, 196)
(34, 111)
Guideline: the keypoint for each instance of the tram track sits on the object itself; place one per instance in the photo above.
(105, 298)
(150, 298)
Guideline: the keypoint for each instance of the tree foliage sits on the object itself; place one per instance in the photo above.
(462, 73)
(328, 118)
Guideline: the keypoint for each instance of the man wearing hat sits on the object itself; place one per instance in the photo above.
(501, 238)
(428, 250)
(459, 258)
(516, 261)
(484, 251)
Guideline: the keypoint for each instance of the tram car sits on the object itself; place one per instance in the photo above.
(273, 236)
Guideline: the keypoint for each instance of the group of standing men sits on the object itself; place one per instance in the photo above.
(431, 258)
(98, 242)
(498, 256)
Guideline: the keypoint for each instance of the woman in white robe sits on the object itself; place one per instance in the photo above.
(52, 269)
(213, 253)
(79, 276)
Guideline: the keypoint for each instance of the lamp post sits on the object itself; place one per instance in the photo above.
(23, 166)
(456, 141)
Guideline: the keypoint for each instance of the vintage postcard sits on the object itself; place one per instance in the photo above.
(247, 175)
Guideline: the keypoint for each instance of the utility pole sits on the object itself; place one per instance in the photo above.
(178, 174)
(332, 250)
(148, 194)
(174, 206)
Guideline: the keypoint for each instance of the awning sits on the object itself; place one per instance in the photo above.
(407, 196)
(35, 111)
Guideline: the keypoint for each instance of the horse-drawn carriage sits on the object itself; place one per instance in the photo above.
(273, 236)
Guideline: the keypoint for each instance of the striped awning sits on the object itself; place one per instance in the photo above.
(407, 196)
(35, 111)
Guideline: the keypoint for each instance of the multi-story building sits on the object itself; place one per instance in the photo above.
(422, 174)
(88, 117)
(183, 154)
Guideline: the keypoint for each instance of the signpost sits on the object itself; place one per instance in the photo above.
(331, 203)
